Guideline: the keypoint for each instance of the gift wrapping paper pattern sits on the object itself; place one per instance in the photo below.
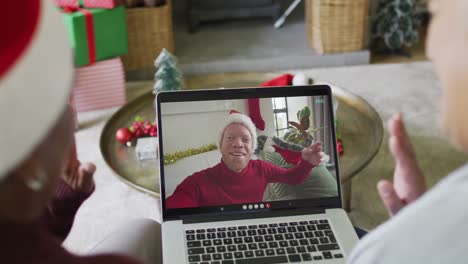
(89, 3)
(100, 85)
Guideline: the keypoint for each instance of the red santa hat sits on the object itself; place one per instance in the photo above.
(36, 73)
(236, 117)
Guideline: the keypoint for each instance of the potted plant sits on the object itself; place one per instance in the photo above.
(300, 132)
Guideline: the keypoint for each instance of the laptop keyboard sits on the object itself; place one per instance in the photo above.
(267, 243)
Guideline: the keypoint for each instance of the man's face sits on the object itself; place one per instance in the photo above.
(236, 147)
(447, 45)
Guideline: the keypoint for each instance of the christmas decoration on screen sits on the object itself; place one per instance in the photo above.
(173, 157)
(167, 77)
(254, 103)
(140, 128)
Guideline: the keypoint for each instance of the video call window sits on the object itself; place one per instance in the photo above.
(204, 179)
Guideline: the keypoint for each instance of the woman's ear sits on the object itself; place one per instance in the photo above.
(30, 174)
(22, 195)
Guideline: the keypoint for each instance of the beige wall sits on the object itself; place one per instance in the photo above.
(196, 124)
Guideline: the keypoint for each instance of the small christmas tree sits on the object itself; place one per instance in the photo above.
(168, 77)
(396, 24)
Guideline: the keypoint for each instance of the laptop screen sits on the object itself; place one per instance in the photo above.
(247, 151)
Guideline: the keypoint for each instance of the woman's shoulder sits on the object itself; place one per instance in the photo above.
(433, 223)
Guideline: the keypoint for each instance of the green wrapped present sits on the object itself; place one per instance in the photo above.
(96, 34)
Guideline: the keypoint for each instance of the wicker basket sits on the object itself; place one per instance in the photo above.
(149, 31)
(336, 25)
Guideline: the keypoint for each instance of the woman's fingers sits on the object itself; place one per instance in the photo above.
(387, 193)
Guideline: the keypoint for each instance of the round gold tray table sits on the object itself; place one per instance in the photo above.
(358, 123)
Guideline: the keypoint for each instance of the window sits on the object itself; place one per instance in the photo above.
(280, 112)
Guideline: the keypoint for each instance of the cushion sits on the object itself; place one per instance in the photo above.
(320, 183)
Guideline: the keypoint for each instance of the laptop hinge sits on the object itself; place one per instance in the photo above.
(232, 217)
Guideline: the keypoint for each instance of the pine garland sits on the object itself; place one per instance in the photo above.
(173, 157)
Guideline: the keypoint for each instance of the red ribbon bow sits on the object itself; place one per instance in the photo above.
(69, 9)
(89, 21)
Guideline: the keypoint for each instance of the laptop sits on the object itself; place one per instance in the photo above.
(290, 223)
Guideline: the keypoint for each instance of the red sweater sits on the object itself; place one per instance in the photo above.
(221, 186)
(40, 242)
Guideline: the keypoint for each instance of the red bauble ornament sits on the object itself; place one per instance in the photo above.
(339, 147)
(123, 135)
(139, 128)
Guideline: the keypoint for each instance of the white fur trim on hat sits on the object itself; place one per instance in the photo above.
(238, 118)
(34, 92)
(300, 79)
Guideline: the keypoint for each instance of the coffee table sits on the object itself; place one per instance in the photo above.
(358, 123)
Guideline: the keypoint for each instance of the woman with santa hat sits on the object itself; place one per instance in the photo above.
(42, 184)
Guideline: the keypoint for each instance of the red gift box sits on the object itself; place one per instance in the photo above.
(89, 3)
(100, 85)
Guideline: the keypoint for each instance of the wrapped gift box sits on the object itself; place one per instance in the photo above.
(89, 3)
(96, 34)
(147, 148)
(99, 86)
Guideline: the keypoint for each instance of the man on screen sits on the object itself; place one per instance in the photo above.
(237, 178)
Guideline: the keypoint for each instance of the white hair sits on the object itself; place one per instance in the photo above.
(238, 118)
